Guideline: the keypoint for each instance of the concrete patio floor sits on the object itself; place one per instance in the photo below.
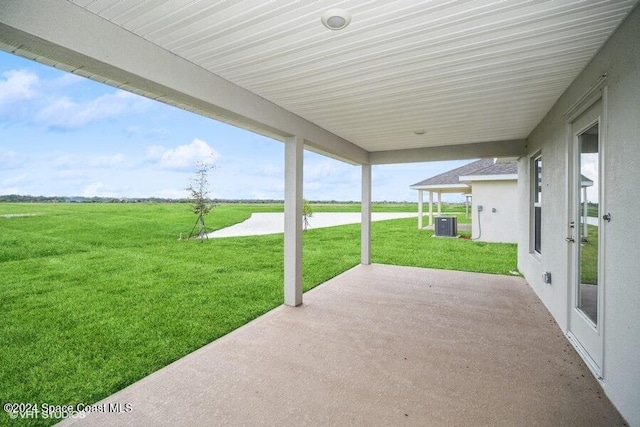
(380, 345)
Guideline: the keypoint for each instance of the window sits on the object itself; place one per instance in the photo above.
(536, 166)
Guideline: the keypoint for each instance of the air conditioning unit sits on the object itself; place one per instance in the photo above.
(446, 226)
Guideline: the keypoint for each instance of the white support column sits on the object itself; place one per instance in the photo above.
(365, 234)
(439, 203)
(420, 202)
(466, 207)
(585, 213)
(293, 151)
(430, 208)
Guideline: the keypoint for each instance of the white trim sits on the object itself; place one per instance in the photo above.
(506, 159)
(533, 191)
(430, 208)
(365, 234)
(583, 324)
(588, 360)
(441, 187)
(473, 150)
(602, 187)
(293, 157)
(568, 202)
(589, 98)
(420, 208)
(497, 177)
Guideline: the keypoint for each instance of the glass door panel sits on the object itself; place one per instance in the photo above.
(588, 208)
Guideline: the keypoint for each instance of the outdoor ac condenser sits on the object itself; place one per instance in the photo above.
(446, 226)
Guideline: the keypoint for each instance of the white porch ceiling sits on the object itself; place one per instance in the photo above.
(464, 71)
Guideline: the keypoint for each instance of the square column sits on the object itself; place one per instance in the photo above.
(430, 208)
(293, 155)
(439, 203)
(365, 233)
(420, 202)
(585, 213)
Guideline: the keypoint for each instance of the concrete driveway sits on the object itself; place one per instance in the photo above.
(273, 222)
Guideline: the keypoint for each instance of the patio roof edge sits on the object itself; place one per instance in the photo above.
(506, 148)
(62, 34)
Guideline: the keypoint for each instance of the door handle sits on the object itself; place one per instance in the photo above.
(570, 239)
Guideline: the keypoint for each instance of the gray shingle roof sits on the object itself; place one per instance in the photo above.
(453, 176)
(479, 167)
(509, 168)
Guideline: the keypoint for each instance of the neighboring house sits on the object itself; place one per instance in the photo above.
(492, 186)
(555, 84)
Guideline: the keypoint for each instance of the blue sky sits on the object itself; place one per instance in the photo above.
(64, 135)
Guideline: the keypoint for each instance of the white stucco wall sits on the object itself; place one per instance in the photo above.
(620, 60)
(501, 225)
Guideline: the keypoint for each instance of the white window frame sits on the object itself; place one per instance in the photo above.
(536, 194)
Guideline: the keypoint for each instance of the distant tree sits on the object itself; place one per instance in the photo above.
(199, 197)
(307, 213)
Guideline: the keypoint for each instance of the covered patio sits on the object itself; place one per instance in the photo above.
(380, 345)
(404, 82)
(385, 90)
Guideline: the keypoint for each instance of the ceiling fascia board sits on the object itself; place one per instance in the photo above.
(508, 148)
(61, 31)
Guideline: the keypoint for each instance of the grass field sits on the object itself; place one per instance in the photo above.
(589, 256)
(95, 296)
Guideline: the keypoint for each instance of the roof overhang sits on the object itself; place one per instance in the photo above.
(500, 177)
(404, 82)
(63, 35)
(505, 148)
(443, 188)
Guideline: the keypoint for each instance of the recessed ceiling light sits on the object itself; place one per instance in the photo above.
(336, 19)
(419, 132)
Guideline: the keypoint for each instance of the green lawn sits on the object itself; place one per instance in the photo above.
(589, 257)
(95, 296)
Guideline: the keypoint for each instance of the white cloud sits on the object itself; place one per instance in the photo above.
(72, 162)
(183, 157)
(327, 176)
(11, 159)
(275, 193)
(170, 193)
(17, 85)
(155, 152)
(64, 161)
(117, 161)
(12, 184)
(65, 113)
(70, 174)
(157, 133)
(64, 81)
(11, 190)
(327, 169)
(15, 180)
(268, 170)
(98, 189)
(25, 96)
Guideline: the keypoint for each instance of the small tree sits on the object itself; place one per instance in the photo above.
(199, 196)
(307, 213)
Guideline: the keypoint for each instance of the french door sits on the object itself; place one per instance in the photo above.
(586, 239)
